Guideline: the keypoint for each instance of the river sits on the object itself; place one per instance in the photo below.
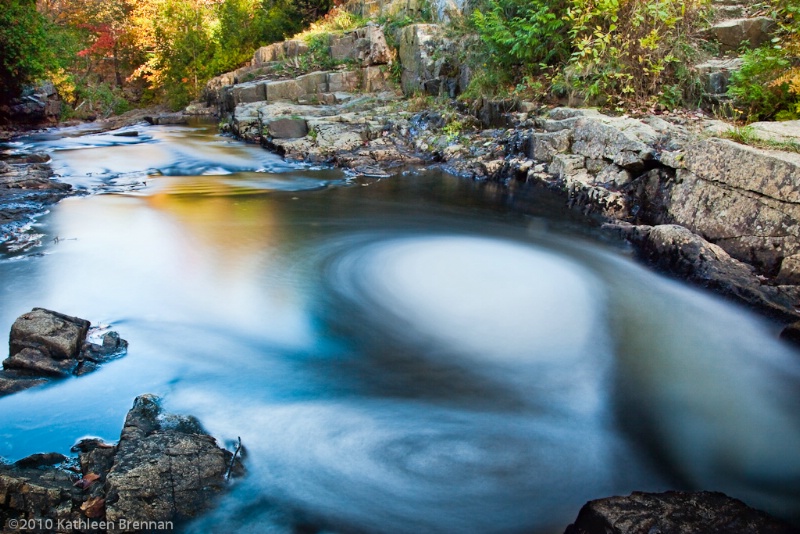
(421, 353)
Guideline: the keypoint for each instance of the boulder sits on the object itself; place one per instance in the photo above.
(745, 199)
(366, 46)
(674, 512)
(283, 90)
(50, 333)
(343, 81)
(45, 344)
(164, 470)
(781, 132)
(249, 92)
(733, 33)
(287, 128)
(418, 46)
(545, 145)
(620, 141)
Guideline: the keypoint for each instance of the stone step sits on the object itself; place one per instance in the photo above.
(732, 34)
(716, 74)
(314, 88)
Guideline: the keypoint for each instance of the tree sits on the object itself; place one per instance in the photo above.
(23, 40)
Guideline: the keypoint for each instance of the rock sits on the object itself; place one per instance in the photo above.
(35, 493)
(548, 144)
(343, 81)
(37, 363)
(618, 141)
(37, 105)
(791, 333)
(366, 46)
(732, 34)
(674, 512)
(41, 460)
(164, 473)
(45, 344)
(287, 128)
(781, 132)
(717, 73)
(744, 199)
(52, 334)
(283, 90)
(165, 469)
(558, 114)
(565, 164)
(249, 92)
(176, 118)
(418, 46)
(790, 270)
(677, 250)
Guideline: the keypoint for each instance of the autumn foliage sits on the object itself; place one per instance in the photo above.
(107, 54)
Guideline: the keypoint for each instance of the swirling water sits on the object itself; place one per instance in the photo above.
(415, 354)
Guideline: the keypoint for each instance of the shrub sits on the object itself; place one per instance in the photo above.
(521, 32)
(627, 50)
(757, 88)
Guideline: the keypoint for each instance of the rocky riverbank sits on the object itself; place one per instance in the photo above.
(717, 213)
(164, 471)
(27, 190)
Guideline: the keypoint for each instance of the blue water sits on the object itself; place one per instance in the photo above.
(411, 354)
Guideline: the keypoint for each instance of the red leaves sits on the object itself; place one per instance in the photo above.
(86, 482)
(105, 42)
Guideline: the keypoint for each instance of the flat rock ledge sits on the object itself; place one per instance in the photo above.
(164, 470)
(27, 190)
(45, 345)
(674, 512)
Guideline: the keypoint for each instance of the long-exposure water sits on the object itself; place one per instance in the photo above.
(421, 353)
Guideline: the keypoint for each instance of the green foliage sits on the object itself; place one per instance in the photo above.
(625, 51)
(768, 84)
(25, 56)
(613, 53)
(752, 87)
(523, 32)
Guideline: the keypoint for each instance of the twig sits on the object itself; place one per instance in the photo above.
(233, 459)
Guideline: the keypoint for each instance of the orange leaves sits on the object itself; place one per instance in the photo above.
(94, 507)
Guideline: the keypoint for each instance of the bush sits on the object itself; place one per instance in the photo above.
(753, 87)
(768, 85)
(531, 34)
(626, 51)
(614, 53)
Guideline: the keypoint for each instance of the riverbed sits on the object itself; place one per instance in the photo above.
(419, 353)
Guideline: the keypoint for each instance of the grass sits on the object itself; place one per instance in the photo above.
(746, 135)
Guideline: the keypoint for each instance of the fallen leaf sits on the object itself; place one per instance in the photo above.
(87, 481)
(94, 507)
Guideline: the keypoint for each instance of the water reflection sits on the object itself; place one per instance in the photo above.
(407, 356)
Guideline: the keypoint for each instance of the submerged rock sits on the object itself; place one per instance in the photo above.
(791, 333)
(44, 344)
(164, 469)
(674, 512)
